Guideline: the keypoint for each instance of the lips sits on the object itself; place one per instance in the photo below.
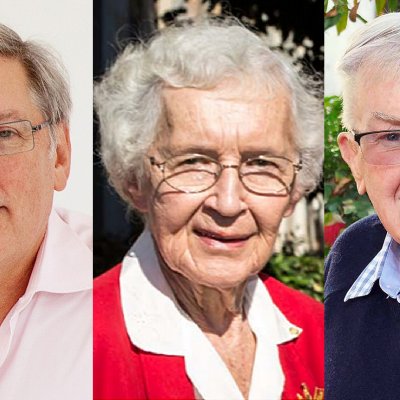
(222, 237)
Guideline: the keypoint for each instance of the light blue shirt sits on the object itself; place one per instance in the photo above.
(385, 266)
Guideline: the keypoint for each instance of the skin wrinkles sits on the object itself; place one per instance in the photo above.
(227, 206)
(376, 108)
(27, 183)
(10, 115)
(208, 275)
(386, 117)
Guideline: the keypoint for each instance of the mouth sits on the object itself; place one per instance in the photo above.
(219, 239)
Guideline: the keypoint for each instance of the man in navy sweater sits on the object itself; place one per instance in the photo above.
(362, 291)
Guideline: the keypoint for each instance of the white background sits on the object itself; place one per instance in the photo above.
(66, 26)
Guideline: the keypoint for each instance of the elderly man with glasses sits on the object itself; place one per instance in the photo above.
(363, 269)
(45, 253)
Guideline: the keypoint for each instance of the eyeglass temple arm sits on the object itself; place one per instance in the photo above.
(159, 165)
(357, 137)
(39, 127)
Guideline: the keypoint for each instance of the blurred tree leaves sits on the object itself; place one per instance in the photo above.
(304, 273)
(342, 201)
(289, 19)
(342, 12)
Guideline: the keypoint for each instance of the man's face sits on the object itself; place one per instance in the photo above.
(376, 107)
(220, 236)
(27, 180)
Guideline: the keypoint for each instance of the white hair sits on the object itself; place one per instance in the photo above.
(47, 78)
(202, 54)
(373, 49)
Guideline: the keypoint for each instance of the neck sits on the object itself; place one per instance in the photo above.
(214, 310)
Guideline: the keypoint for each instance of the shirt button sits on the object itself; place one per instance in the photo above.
(294, 331)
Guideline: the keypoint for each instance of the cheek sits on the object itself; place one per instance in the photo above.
(384, 192)
(268, 227)
(170, 218)
(383, 185)
(172, 212)
(270, 213)
(15, 186)
(26, 194)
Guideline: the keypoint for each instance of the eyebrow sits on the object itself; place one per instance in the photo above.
(180, 150)
(198, 149)
(9, 115)
(386, 117)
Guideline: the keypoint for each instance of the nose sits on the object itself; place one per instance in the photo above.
(227, 195)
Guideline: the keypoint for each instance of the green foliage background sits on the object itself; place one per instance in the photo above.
(305, 273)
(340, 192)
(341, 13)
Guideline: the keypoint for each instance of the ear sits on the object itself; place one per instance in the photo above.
(351, 153)
(295, 196)
(62, 159)
(138, 196)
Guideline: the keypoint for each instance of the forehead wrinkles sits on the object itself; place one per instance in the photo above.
(225, 117)
(198, 108)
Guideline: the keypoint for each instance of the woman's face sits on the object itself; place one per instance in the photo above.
(221, 236)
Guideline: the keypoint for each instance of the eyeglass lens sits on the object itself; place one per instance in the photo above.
(196, 173)
(381, 148)
(16, 137)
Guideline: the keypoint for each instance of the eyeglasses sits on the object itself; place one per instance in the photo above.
(195, 173)
(379, 147)
(18, 136)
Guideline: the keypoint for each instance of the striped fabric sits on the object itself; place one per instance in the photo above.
(385, 266)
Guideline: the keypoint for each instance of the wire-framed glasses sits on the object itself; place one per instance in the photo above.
(18, 136)
(379, 147)
(195, 173)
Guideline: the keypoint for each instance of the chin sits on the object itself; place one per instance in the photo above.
(396, 236)
(392, 226)
(224, 275)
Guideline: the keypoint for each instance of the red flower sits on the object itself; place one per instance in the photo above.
(331, 232)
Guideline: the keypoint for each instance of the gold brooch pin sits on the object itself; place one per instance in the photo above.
(306, 395)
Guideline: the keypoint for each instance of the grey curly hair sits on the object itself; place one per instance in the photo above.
(128, 100)
(46, 76)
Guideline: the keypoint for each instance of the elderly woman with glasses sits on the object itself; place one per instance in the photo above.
(213, 139)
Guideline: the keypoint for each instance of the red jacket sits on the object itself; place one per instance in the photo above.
(123, 371)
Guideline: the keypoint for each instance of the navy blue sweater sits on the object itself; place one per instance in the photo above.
(362, 336)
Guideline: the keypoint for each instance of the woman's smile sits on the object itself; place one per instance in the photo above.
(222, 240)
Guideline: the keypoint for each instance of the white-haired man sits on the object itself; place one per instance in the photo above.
(45, 254)
(363, 269)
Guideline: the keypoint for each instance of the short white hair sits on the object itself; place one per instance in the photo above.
(201, 55)
(374, 48)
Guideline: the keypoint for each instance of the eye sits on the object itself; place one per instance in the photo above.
(262, 164)
(191, 161)
(7, 133)
(195, 160)
(388, 139)
(392, 136)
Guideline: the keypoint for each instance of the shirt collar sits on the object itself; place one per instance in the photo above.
(64, 261)
(162, 327)
(154, 327)
(385, 266)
